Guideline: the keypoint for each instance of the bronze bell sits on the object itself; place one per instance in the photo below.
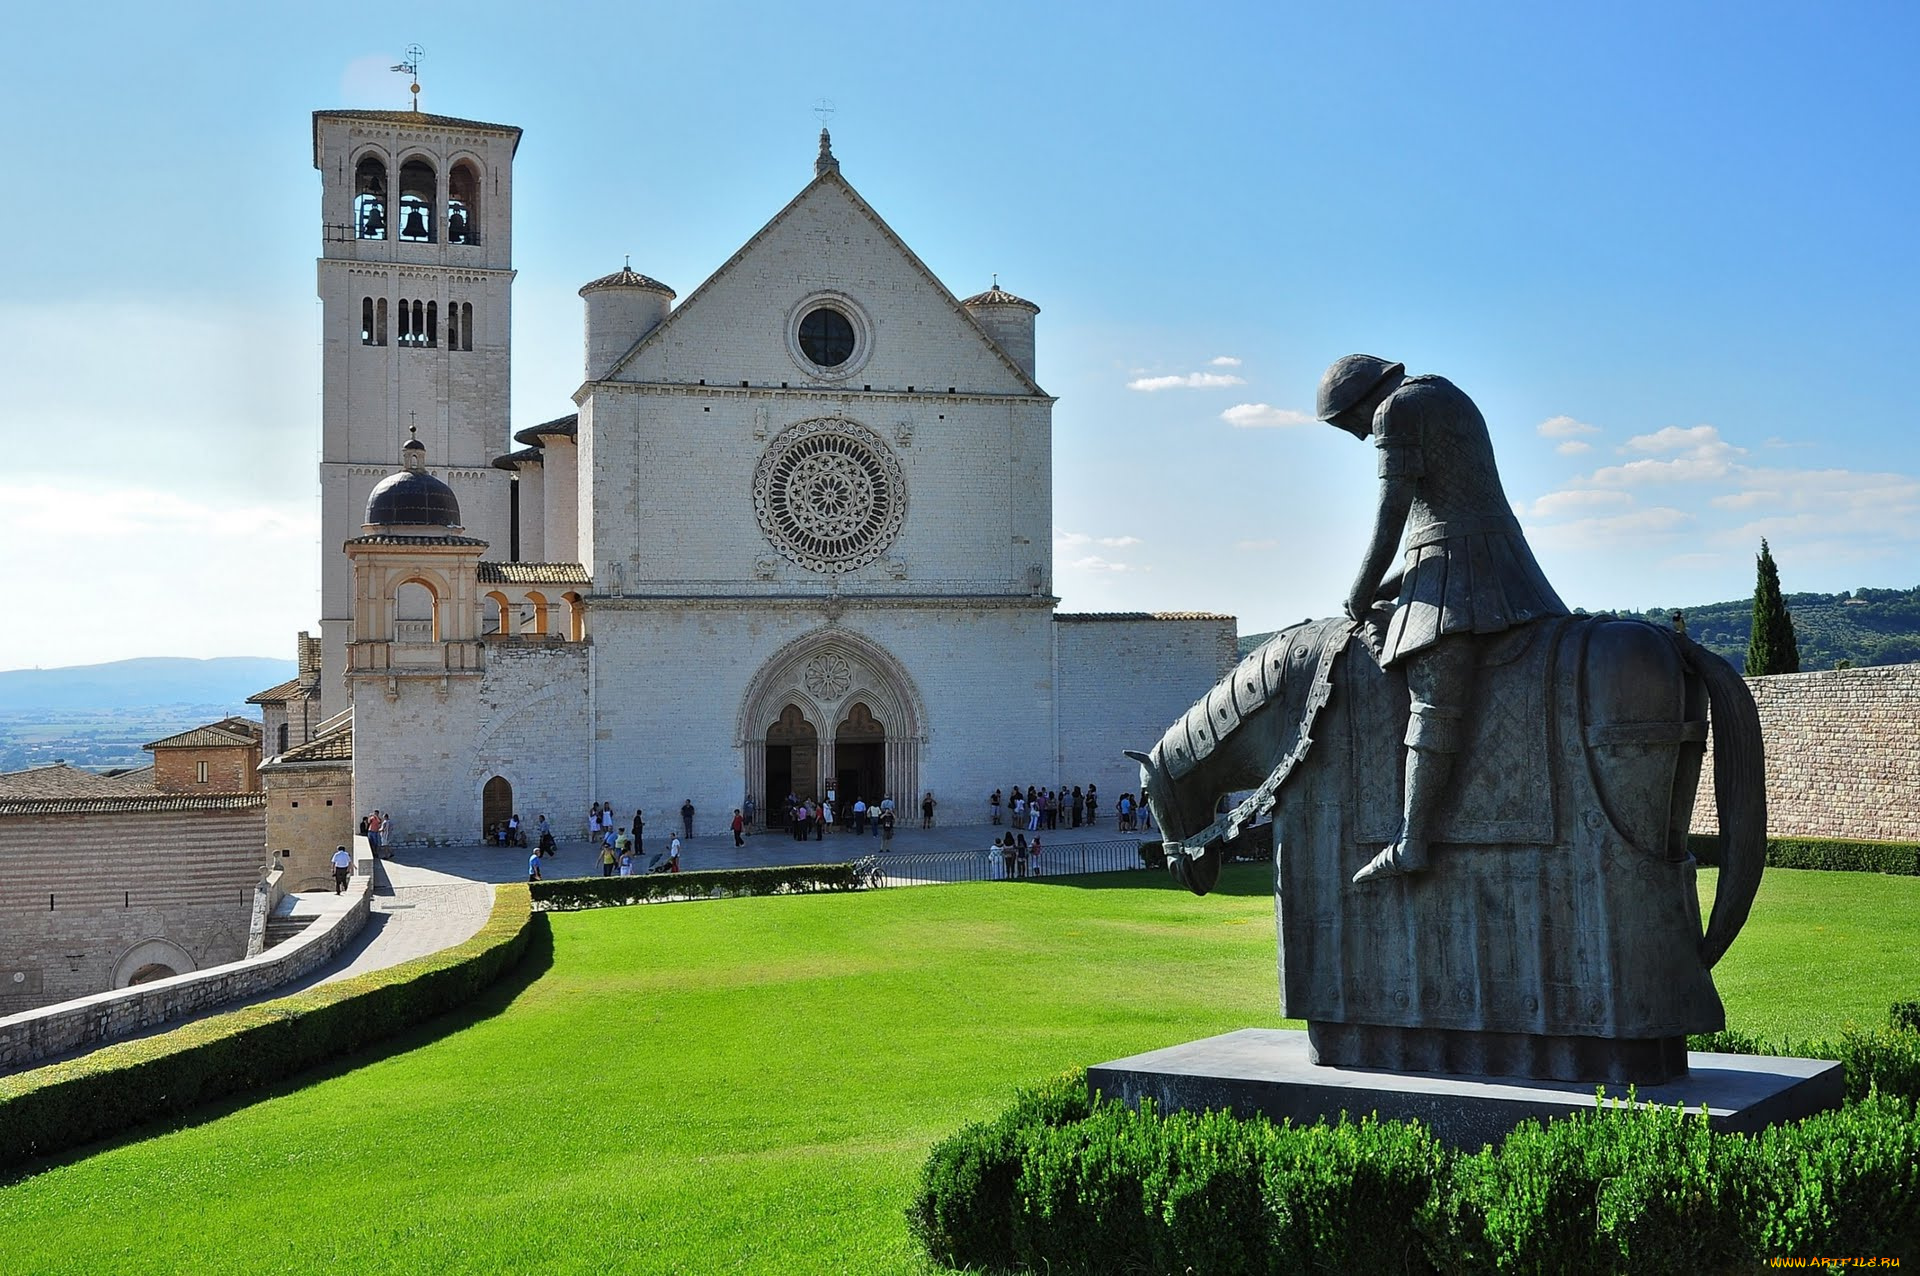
(374, 224)
(415, 226)
(457, 227)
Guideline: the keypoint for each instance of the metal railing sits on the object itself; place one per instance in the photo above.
(1054, 860)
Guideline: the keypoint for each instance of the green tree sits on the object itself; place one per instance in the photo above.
(1772, 648)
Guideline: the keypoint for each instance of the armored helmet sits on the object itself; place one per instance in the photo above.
(1350, 380)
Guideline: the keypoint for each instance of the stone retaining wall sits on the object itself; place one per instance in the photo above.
(1843, 754)
(28, 1038)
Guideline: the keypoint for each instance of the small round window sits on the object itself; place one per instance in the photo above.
(826, 337)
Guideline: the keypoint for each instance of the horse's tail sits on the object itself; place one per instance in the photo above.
(1740, 793)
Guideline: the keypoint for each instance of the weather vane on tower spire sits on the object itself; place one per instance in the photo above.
(412, 67)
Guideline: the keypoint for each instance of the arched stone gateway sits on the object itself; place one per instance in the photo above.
(496, 802)
(859, 709)
(152, 959)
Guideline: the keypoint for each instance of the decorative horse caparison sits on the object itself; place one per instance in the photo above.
(1557, 933)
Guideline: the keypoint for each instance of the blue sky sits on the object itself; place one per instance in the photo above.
(1668, 249)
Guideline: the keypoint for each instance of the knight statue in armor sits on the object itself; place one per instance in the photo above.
(1480, 803)
(1466, 573)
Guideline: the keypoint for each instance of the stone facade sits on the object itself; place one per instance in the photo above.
(380, 374)
(797, 537)
(1843, 754)
(1114, 692)
(222, 758)
(310, 809)
(97, 893)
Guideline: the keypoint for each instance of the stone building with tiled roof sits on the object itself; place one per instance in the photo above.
(795, 536)
(111, 879)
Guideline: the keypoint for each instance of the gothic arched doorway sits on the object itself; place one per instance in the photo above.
(793, 762)
(860, 756)
(832, 676)
(496, 803)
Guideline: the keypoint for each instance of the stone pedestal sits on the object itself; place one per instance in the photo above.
(1269, 1071)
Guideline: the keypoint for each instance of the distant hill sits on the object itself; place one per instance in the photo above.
(143, 683)
(1863, 626)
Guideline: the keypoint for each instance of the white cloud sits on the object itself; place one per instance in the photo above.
(1095, 563)
(1573, 447)
(1554, 504)
(1223, 361)
(1563, 427)
(1746, 500)
(1064, 539)
(1613, 532)
(1698, 440)
(210, 576)
(1189, 381)
(1254, 416)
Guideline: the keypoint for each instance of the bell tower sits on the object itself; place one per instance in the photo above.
(415, 280)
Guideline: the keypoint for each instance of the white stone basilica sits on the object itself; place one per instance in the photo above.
(797, 534)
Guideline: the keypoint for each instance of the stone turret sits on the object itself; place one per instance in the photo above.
(621, 308)
(1008, 320)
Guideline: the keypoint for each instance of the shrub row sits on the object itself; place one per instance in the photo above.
(1831, 853)
(565, 894)
(1878, 1060)
(1062, 1184)
(63, 1105)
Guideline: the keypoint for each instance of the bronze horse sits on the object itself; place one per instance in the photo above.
(1558, 933)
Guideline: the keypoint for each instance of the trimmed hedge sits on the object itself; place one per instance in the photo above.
(64, 1105)
(1828, 853)
(1062, 1184)
(566, 894)
(1878, 1060)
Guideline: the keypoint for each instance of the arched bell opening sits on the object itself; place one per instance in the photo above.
(497, 618)
(370, 199)
(793, 763)
(416, 613)
(463, 204)
(418, 191)
(860, 756)
(496, 803)
(533, 614)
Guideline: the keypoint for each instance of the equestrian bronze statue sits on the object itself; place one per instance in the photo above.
(1480, 803)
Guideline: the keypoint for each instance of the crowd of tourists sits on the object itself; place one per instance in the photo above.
(1034, 808)
(817, 817)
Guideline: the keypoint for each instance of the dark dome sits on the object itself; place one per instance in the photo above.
(412, 499)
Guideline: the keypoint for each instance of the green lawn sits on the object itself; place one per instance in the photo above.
(751, 1085)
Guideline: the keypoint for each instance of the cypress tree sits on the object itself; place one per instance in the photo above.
(1772, 648)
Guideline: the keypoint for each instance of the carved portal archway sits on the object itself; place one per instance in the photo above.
(852, 691)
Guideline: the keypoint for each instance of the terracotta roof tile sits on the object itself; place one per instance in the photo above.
(133, 802)
(626, 277)
(291, 689)
(534, 574)
(561, 427)
(1097, 617)
(335, 746)
(61, 781)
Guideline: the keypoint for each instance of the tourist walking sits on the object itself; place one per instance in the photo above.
(859, 816)
(639, 832)
(342, 868)
(1079, 806)
(686, 816)
(739, 828)
(926, 810)
(886, 830)
(673, 856)
(993, 806)
(533, 867)
(607, 858)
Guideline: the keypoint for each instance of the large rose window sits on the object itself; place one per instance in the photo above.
(829, 495)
